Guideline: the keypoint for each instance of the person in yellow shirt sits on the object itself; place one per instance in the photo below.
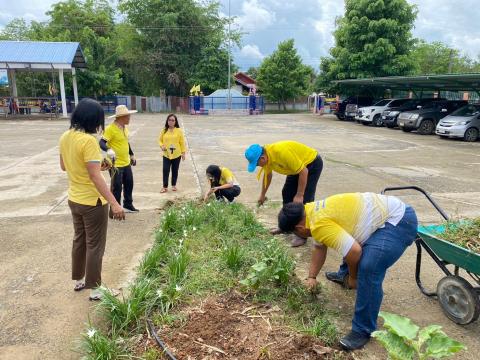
(222, 183)
(172, 143)
(115, 142)
(88, 194)
(371, 232)
(300, 163)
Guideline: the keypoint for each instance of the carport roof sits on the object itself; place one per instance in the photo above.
(41, 55)
(449, 82)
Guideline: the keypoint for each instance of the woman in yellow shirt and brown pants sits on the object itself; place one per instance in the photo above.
(88, 194)
(172, 143)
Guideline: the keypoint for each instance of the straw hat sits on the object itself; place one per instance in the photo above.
(122, 110)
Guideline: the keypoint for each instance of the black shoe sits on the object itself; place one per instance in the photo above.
(354, 341)
(333, 276)
(130, 209)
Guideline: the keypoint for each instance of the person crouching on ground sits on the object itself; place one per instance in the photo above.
(88, 195)
(115, 142)
(302, 165)
(371, 231)
(172, 143)
(222, 183)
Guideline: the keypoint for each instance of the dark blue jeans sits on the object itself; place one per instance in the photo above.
(379, 252)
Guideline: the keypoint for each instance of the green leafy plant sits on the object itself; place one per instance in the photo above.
(233, 256)
(96, 345)
(404, 340)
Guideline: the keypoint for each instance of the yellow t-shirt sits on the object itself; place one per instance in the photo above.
(287, 158)
(117, 139)
(174, 141)
(77, 149)
(227, 177)
(339, 220)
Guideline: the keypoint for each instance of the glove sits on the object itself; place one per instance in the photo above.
(111, 154)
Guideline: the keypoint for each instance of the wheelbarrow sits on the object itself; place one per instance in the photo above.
(460, 301)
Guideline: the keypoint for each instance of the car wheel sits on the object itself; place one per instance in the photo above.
(390, 126)
(426, 127)
(339, 117)
(377, 120)
(406, 129)
(471, 135)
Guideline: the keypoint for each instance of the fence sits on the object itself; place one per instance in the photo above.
(207, 104)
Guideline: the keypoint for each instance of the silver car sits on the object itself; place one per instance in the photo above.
(462, 123)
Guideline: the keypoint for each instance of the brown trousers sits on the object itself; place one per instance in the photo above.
(90, 226)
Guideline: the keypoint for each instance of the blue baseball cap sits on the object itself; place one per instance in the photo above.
(252, 154)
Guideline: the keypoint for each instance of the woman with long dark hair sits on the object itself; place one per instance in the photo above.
(172, 143)
(88, 194)
(222, 183)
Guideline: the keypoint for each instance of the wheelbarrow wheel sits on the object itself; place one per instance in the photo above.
(458, 299)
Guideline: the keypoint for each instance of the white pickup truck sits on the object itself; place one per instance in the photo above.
(373, 114)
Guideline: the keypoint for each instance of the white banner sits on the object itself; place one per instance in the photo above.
(3, 77)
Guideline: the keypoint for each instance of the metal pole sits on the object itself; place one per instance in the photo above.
(229, 100)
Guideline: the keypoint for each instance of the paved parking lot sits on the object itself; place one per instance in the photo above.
(40, 315)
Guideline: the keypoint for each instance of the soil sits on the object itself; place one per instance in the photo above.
(231, 327)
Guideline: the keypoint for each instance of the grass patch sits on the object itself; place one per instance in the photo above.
(465, 233)
(203, 249)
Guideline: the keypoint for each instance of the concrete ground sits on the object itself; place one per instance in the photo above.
(41, 317)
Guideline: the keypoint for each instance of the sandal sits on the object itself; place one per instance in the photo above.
(174, 188)
(79, 286)
(164, 190)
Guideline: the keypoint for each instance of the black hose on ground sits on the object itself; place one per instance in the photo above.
(159, 341)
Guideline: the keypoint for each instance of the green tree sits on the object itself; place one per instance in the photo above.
(178, 39)
(282, 75)
(253, 72)
(438, 58)
(373, 38)
(91, 23)
(211, 71)
(17, 29)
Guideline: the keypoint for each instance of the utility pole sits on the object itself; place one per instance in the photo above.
(229, 100)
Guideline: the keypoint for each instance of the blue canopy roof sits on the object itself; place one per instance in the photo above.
(40, 54)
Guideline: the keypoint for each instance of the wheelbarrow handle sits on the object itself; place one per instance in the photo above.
(416, 188)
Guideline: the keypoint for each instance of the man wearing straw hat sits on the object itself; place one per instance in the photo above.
(115, 142)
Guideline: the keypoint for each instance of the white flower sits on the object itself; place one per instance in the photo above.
(208, 204)
(194, 228)
(178, 288)
(159, 293)
(91, 332)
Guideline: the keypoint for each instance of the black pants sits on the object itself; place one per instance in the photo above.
(291, 183)
(123, 179)
(174, 164)
(229, 194)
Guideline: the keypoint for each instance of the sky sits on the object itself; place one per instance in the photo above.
(310, 23)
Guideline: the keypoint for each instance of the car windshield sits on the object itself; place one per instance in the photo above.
(396, 103)
(430, 105)
(467, 111)
(410, 103)
(382, 102)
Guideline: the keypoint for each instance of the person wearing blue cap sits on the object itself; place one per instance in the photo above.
(300, 163)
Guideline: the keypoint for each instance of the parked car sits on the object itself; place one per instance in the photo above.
(373, 114)
(359, 101)
(426, 119)
(462, 123)
(390, 115)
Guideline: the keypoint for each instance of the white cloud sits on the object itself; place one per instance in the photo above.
(255, 16)
(252, 52)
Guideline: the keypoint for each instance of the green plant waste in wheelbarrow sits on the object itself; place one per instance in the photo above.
(460, 301)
